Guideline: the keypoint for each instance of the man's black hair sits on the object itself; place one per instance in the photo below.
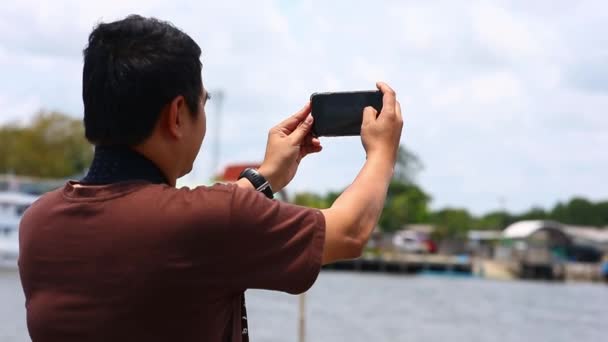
(132, 69)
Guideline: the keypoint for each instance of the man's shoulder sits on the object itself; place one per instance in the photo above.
(41, 207)
(215, 193)
(143, 194)
(46, 199)
(218, 188)
(189, 204)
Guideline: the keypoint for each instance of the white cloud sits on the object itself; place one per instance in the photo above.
(18, 111)
(418, 29)
(474, 97)
(496, 87)
(500, 31)
(368, 71)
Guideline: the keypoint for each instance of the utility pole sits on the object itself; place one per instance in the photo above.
(302, 296)
(217, 97)
(302, 318)
(502, 203)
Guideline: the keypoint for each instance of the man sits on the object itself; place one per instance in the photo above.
(122, 255)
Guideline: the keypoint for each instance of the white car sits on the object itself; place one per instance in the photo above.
(411, 242)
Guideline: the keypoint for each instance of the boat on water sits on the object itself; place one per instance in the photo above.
(12, 206)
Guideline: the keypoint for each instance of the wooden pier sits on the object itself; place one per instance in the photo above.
(398, 263)
(406, 263)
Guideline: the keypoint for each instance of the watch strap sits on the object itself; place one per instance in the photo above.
(258, 181)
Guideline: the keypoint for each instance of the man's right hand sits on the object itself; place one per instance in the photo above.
(380, 134)
(354, 214)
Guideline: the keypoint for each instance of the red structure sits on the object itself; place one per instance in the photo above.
(232, 172)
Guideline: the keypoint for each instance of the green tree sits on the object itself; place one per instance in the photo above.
(51, 146)
(535, 213)
(496, 220)
(331, 197)
(602, 210)
(310, 200)
(579, 211)
(451, 223)
(407, 166)
(405, 203)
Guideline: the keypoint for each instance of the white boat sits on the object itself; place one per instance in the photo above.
(12, 207)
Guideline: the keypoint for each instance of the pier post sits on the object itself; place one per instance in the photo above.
(302, 318)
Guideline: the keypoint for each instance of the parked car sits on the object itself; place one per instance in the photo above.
(410, 241)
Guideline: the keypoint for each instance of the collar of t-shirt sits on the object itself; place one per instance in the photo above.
(113, 164)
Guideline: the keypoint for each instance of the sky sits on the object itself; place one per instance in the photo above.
(504, 101)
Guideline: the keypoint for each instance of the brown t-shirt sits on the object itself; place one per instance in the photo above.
(135, 261)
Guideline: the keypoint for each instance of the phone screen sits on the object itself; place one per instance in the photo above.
(341, 114)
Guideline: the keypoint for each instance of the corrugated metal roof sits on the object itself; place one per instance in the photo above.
(523, 229)
(588, 233)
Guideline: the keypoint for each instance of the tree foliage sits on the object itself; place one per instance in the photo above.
(407, 167)
(582, 212)
(407, 202)
(452, 223)
(311, 200)
(51, 146)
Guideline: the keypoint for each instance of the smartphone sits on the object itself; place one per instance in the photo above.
(341, 113)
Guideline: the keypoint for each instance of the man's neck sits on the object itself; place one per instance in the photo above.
(113, 164)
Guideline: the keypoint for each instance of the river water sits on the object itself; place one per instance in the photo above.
(372, 307)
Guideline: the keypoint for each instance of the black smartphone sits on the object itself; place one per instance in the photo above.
(341, 113)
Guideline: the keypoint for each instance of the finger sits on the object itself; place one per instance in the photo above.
(292, 122)
(306, 150)
(311, 149)
(300, 132)
(369, 115)
(398, 111)
(388, 98)
(310, 140)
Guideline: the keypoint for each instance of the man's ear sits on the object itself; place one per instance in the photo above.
(172, 117)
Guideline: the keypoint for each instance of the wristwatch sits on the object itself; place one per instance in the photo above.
(259, 182)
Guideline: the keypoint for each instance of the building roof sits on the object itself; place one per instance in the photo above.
(419, 227)
(485, 234)
(586, 233)
(231, 172)
(523, 229)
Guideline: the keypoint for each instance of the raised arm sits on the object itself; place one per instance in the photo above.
(352, 217)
